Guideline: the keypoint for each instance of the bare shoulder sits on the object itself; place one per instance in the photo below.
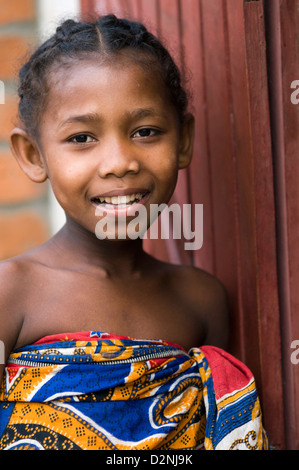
(206, 295)
(12, 274)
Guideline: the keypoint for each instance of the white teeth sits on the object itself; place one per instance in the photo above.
(122, 200)
(119, 200)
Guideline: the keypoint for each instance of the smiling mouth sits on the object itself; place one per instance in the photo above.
(119, 202)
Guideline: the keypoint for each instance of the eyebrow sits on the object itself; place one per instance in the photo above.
(90, 117)
(136, 114)
(140, 113)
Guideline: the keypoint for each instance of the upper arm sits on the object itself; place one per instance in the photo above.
(210, 302)
(217, 316)
(10, 313)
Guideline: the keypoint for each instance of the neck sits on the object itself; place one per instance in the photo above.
(111, 257)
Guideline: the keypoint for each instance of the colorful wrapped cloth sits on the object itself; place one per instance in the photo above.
(96, 391)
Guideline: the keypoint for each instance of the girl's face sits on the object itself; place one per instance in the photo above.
(109, 138)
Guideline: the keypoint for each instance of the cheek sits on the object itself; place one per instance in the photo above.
(67, 185)
(65, 173)
(167, 179)
(164, 160)
(167, 168)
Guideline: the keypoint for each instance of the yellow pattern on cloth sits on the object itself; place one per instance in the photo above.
(96, 391)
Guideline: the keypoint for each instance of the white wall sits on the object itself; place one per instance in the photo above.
(50, 14)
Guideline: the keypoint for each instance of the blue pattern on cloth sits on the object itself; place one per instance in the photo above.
(93, 390)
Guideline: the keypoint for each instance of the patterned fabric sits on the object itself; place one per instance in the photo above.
(93, 390)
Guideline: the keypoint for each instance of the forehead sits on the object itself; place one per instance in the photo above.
(90, 83)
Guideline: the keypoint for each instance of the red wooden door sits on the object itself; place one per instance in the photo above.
(282, 22)
(223, 44)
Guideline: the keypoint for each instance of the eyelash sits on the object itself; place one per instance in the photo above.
(153, 132)
(72, 139)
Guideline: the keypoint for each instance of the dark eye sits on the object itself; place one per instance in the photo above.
(81, 139)
(146, 132)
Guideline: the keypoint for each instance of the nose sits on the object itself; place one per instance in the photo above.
(117, 159)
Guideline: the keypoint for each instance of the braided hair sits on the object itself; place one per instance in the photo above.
(106, 36)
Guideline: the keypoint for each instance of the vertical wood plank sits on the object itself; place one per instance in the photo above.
(290, 58)
(170, 27)
(99, 8)
(117, 7)
(199, 171)
(88, 8)
(220, 149)
(289, 13)
(262, 228)
(150, 15)
(282, 18)
(244, 183)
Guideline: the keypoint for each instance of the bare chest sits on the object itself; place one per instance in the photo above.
(133, 308)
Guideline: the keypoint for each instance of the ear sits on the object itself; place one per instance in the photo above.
(28, 155)
(187, 140)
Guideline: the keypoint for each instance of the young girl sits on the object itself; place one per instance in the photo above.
(96, 331)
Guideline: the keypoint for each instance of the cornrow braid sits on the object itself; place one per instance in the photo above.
(74, 40)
